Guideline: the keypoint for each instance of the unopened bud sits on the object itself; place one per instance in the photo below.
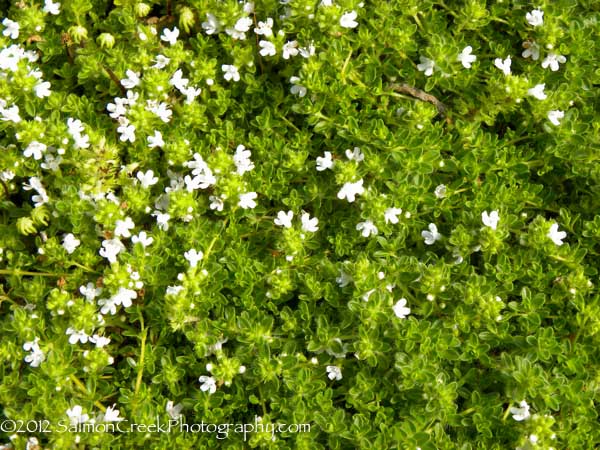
(106, 40)
(78, 33)
(186, 19)
(142, 9)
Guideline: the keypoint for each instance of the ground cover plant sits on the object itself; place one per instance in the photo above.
(377, 219)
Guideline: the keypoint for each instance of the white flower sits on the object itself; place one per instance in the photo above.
(36, 184)
(521, 413)
(190, 94)
(555, 116)
(247, 200)
(117, 109)
(535, 17)
(351, 190)
(553, 60)
(343, 280)
(142, 238)
(216, 203)
(267, 48)
(308, 224)
(265, 28)
(147, 178)
(538, 91)
(162, 220)
(532, 49)
(161, 110)
(201, 181)
(75, 128)
(198, 165)
(555, 235)
(241, 159)
(290, 48)
(400, 309)
(355, 155)
(11, 113)
(77, 336)
(42, 89)
(122, 227)
(368, 228)
(334, 372)
(427, 66)
(131, 81)
(99, 341)
(504, 66)
(284, 219)
(156, 140)
(466, 58)
(174, 290)
(51, 8)
(212, 25)
(37, 356)
(161, 62)
(81, 141)
(127, 133)
(35, 149)
(111, 414)
(297, 88)
(178, 81)
(490, 220)
(324, 162)
(432, 235)
(208, 384)
(307, 52)
(90, 292)
(348, 20)
(7, 175)
(9, 60)
(111, 248)
(107, 306)
(170, 36)
(51, 162)
(174, 411)
(240, 28)
(123, 297)
(391, 215)
(76, 415)
(231, 72)
(70, 243)
(193, 257)
(12, 28)
(440, 191)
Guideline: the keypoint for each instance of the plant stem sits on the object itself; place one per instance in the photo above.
(27, 273)
(138, 381)
(83, 389)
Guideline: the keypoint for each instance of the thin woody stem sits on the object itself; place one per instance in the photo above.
(113, 77)
(420, 95)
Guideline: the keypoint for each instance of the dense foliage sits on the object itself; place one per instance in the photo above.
(376, 218)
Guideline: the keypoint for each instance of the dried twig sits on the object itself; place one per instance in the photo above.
(420, 95)
(113, 77)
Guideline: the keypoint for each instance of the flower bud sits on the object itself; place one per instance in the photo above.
(106, 40)
(78, 33)
(25, 226)
(186, 18)
(142, 9)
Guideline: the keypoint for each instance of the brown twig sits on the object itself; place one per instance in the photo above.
(5, 188)
(420, 95)
(113, 77)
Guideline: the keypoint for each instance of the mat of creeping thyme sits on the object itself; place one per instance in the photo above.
(373, 223)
